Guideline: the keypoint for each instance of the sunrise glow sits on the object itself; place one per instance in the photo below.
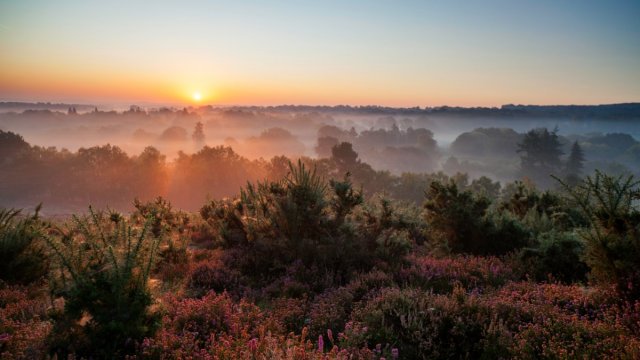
(421, 53)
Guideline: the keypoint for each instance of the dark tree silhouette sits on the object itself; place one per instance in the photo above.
(540, 152)
(344, 156)
(198, 134)
(575, 162)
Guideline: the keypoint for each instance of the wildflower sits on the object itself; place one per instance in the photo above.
(253, 345)
(395, 353)
(330, 335)
(320, 344)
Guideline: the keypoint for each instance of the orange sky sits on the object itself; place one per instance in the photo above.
(419, 54)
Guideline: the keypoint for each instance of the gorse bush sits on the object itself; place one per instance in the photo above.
(23, 257)
(612, 206)
(460, 221)
(288, 232)
(556, 256)
(103, 268)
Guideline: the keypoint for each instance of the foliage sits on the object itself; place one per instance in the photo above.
(556, 256)
(540, 151)
(442, 275)
(104, 265)
(612, 243)
(24, 325)
(23, 258)
(289, 230)
(575, 163)
(460, 222)
(455, 216)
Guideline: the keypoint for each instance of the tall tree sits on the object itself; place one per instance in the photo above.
(198, 134)
(575, 162)
(540, 152)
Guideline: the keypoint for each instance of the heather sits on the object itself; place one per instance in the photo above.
(311, 267)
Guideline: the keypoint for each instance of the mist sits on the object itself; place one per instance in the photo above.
(189, 154)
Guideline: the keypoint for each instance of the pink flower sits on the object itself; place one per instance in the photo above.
(330, 335)
(253, 345)
(320, 343)
(395, 353)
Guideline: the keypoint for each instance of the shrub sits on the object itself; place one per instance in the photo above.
(455, 216)
(573, 339)
(211, 274)
(331, 310)
(442, 275)
(23, 258)
(24, 326)
(502, 234)
(104, 265)
(420, 325)
(612, 244)
(299, 234)
(194, 326)
(557, 256)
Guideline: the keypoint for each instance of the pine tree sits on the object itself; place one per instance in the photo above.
(575, 162)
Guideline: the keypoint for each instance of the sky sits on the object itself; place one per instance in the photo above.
(393, 53)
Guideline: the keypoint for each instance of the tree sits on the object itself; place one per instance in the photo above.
(198, 134)
(11, 145)
(540, 152)
(575, 163)
(344, 156)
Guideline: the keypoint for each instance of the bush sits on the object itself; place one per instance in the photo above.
(24, 326)
(331, 310)
(103, 269)
(195, 326)
(612, 244)
(456, 217)
(442, 275)
(212, 275)
(23, 258)
(557, 256)
(420, 325)
(301, 235)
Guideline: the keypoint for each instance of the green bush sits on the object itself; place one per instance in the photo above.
(103, 270)
(303, 234)
(23, 258)
(612, 243)
(556, 256)
(459, 221)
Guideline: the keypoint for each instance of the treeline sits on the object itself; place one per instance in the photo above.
(107, 176)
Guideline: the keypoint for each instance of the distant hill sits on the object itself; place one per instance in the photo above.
(625, 111)
(22, 106)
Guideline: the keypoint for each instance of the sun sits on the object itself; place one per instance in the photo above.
(197, 96)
